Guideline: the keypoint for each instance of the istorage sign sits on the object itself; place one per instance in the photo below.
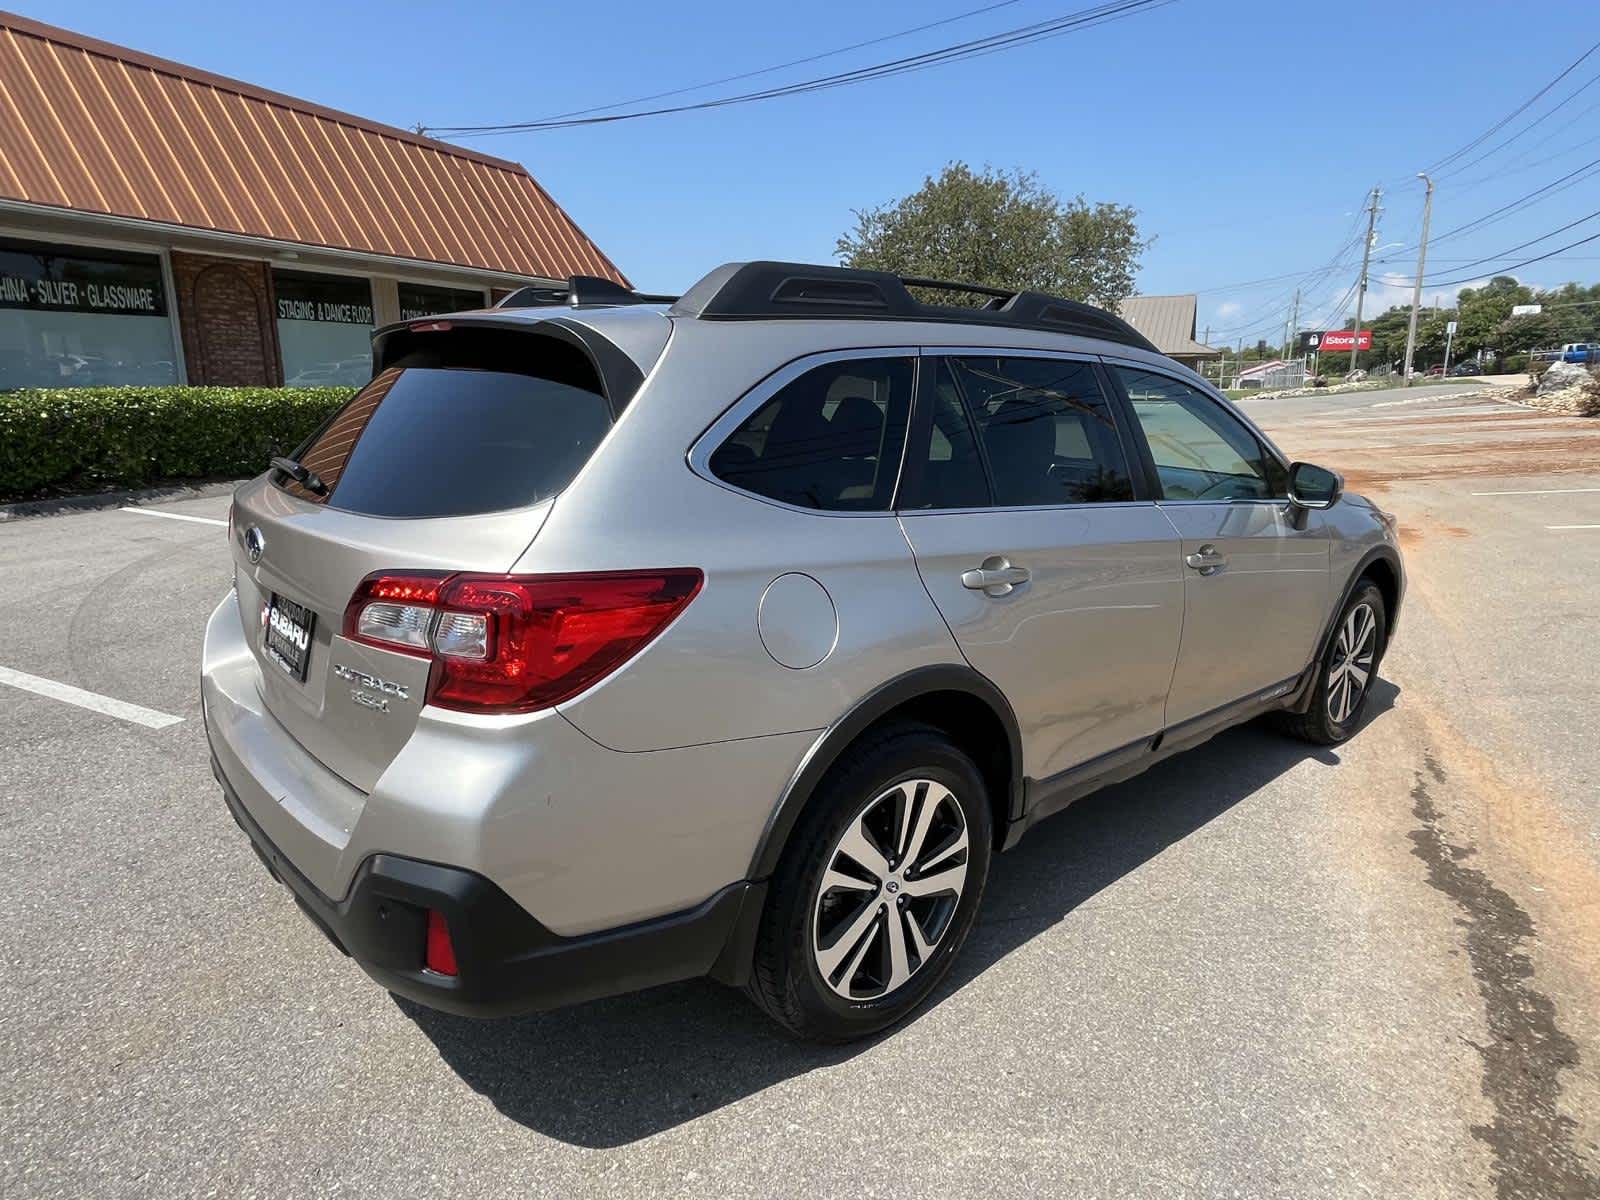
(1336, 339)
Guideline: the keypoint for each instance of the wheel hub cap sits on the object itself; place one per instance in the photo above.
(1350, 667)
(893, 882)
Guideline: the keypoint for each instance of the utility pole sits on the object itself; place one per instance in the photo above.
(1416, 289)
(1293, 328)
(1361, 286)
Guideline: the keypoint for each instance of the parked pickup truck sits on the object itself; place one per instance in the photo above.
(1572, 352)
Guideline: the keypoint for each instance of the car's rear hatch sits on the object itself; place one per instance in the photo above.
(447, 461)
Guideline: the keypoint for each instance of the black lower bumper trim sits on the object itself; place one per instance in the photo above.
(508, 962)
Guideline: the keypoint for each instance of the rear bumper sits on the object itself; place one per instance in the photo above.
(508, 962)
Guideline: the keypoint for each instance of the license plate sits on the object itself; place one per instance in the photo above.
(288, 643)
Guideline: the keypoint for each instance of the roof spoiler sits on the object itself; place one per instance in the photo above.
(581, 291)
(772, 290)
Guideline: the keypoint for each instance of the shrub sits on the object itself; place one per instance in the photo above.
(54, 440)
(1512, 363)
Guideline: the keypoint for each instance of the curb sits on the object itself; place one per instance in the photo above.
(99, 501)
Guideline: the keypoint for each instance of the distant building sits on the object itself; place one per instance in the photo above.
(160, 224)
(1168, 321)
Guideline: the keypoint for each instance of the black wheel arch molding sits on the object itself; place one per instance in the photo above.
(899, 692)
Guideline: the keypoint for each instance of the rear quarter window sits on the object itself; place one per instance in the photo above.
(829, 440)
(435, 441)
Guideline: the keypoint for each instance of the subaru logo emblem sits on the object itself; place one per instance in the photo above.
(254, 544)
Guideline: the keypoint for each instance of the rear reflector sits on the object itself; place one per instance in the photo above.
(440, 956)
(517, 643)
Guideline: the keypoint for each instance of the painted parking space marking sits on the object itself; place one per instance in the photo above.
(1541, 492)
(93, 701)
(1572, 526)
(153, 512)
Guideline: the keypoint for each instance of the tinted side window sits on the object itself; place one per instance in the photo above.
(830, 439)
(442, 442)
(950, 473)
(1201, 451)
(1046, 430)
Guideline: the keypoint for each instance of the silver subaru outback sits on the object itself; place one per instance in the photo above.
(606, 640)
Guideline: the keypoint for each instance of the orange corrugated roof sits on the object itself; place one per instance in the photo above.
(98, 128)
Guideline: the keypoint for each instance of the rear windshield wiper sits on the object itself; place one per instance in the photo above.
(301, 474)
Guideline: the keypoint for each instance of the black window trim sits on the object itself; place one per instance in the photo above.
(1196, 384)
(920, 431)
(735, 415)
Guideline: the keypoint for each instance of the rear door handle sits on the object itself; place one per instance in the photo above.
(1207, 559)
(995, 577)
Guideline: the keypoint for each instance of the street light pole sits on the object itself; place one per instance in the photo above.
(1416, 288)
(1361, 287)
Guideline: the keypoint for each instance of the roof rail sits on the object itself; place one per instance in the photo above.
(773, 290)
(580, 290)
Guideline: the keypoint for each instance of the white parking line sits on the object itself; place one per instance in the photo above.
(151, 512)
(1572, 526)
(1540, 492)
(121, 709)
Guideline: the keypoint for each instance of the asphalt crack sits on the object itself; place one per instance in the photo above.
(1530, 1140)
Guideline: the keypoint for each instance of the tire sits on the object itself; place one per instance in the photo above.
(846, 947)
(1334, 713)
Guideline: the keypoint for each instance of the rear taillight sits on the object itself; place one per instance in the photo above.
(516, 643)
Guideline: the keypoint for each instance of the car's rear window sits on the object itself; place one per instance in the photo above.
(452, 441)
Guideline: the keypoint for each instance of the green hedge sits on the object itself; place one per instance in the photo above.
(59, 440)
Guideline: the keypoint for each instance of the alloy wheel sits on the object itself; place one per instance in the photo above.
(888, 897)
(1351, 666)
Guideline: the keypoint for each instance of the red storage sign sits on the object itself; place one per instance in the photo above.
(1345, 339)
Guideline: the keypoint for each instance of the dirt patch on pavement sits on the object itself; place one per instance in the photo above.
(1376, 467)
(1527, 1051)
(1412, 536)
(1491, 441)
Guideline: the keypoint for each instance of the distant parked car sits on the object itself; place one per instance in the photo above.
(1581, 352)
(1466, 368)
(1435, 370)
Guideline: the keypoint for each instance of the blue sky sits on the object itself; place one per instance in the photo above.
(1220, 122)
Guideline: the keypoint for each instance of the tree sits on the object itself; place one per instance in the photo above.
(1003, 229)
(1534, 332)
(1483, 311)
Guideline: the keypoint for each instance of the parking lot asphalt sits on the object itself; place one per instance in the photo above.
(1262, 969)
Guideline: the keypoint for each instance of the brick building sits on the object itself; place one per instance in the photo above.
(160, 224)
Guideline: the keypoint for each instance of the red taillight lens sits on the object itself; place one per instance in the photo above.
(551, 637)
(440, 954)
(516, 643)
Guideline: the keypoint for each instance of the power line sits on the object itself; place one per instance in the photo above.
(1305, 280)
(1593, 237)
(1512, 250)
(1531, 241)
(1511, 116)
(1545, 116)
(1510, 169)
(972, 48)
(1570, 179)
(794, 62)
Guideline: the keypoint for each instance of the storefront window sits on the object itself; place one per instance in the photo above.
(77, 317)
(417, 300)
(324, 329)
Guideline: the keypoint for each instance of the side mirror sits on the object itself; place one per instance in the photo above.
(1311, 486)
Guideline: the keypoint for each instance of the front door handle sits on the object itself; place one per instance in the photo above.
(995, 577)
(1207, 559)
